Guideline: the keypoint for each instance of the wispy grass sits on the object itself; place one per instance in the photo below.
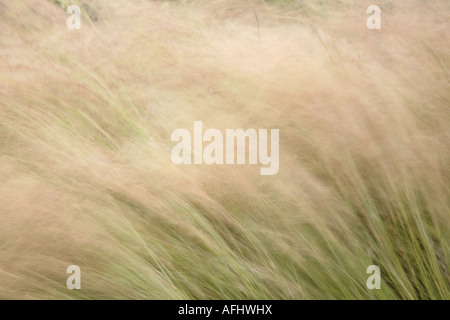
(86, 177)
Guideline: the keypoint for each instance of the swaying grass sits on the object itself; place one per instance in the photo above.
(86, 177)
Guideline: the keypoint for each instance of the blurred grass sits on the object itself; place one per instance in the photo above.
(85, 125)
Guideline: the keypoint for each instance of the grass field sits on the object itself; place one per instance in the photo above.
(86, 178)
